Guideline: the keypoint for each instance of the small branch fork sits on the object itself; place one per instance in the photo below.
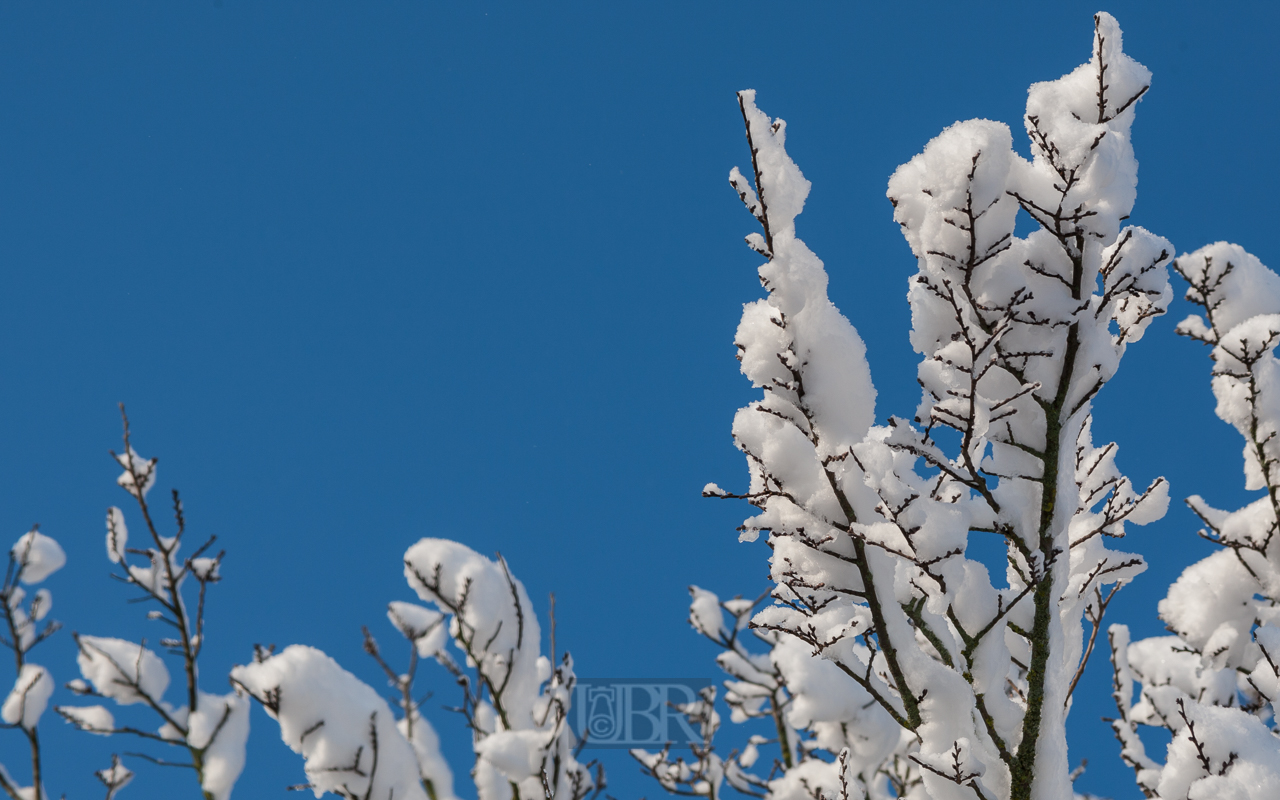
(1093, 612)
(956, 774)
(1205, 762)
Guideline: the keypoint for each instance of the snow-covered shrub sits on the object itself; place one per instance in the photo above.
(896, 666)
(1214, 682)
(515, 700)
(343, 729)
(211, 729)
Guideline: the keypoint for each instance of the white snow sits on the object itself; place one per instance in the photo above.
(117, 535)
(220, 726)
(93, 719)
(422, 626)
(139, 473)
(124, 671)
(27, 700)
(38, 555)
(343, 729)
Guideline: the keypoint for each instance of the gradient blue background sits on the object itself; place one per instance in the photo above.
(368, 274)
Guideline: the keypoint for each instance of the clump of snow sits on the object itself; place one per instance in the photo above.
(41, 604)
(1221, 752)
(27, 700)
(124, 671)
(1082, 122)
(491, 618)
(422, 626)
(797, 323)
(205, 569)
(343, 729)
(139, 473)
(220, 727)
(1252, 289)
(705, 615)
(38, 556)
(115, 777)
(117, 535)
(91, 719)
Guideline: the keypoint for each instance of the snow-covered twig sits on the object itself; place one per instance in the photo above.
(212, 729)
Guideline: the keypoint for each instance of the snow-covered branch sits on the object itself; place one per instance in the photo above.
(902, 665)
(515, 701)
(1214, 683)
(210, 729)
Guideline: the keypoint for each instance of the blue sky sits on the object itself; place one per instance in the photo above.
(364, 275)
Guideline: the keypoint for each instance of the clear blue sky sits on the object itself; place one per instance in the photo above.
(367, 274)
